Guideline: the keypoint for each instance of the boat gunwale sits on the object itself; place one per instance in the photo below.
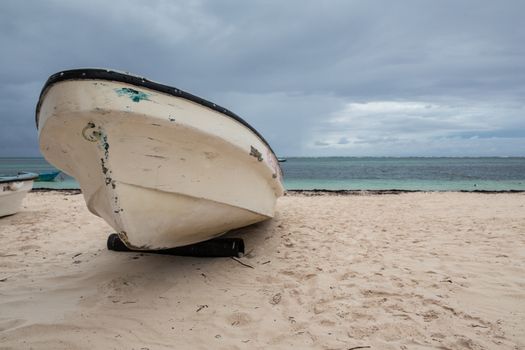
(18, 178)
(111, 75)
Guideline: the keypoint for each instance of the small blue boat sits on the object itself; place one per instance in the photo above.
(48, 176)
(22, 176)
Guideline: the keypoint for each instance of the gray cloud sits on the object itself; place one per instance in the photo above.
(343, 141)
(292, 68)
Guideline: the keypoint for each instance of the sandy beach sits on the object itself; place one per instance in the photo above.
(393, 271)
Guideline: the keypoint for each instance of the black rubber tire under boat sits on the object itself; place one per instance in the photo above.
(213, 248)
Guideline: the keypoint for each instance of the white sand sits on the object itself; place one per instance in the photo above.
(408, 271)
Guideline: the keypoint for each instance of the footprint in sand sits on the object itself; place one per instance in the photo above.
(118, 287)
(29, 247)
(239, 319)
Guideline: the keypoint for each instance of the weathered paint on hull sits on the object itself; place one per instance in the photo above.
(162, 171)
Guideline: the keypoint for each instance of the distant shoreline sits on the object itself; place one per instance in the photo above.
(322, 192)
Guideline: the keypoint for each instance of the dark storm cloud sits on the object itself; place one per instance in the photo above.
(291, 69)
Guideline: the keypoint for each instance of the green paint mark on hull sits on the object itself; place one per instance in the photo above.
(134, 95)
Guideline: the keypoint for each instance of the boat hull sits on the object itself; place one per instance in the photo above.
(47, 177)
(12, 194)
(162, 171)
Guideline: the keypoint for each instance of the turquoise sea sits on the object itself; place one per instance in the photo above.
(360, 173)
(413, 173)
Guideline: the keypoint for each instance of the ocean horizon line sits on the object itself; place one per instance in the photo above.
(332, 157)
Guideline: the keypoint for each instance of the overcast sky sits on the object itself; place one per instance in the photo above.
(316, 78)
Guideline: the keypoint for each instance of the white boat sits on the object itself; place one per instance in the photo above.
(13, 189)
(163, 167)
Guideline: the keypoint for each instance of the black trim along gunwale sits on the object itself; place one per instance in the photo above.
(110, 75)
